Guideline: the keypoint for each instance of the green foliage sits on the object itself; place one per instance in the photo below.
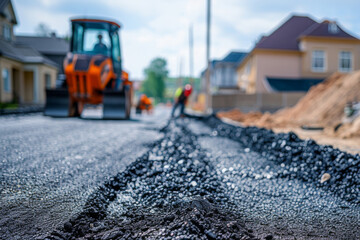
(154, 84)
(9, 105)
(42, 29)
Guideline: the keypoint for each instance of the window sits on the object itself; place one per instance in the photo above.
(93, 37)
(78, 38)
(302, 46)
(333, 28)
(318, 61)
(116, 46)
(345, 61)
(116, 54)
(227, 81)
(6, 32)
(90, 40)
(248, 69)
(47, 80)
(6, 80)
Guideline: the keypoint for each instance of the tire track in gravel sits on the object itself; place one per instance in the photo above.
(174, 192)
(171, 192)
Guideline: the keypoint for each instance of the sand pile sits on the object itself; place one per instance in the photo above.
(237, 115)
(346, 130)
(322, 106)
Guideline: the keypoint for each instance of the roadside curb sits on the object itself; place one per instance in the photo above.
(25, 110)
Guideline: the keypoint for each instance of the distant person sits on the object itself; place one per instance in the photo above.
(181, 97)
(100, 47)
(144, 103)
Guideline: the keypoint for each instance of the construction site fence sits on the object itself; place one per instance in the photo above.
(255, 102)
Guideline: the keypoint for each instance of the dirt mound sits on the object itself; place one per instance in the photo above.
(322, 106)
(239, 116)
(346, 130)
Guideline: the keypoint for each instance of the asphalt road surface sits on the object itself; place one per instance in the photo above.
(51, 167)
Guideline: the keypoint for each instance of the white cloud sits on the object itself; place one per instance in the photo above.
(30, 16)
(160, 28)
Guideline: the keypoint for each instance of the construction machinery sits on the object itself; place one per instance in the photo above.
(94, 73)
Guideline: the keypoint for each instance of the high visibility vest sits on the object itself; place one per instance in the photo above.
(178, 92)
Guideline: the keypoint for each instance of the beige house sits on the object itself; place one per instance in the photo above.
(298, 54)
(24, 71)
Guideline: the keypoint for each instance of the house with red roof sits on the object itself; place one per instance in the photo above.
(297, 55)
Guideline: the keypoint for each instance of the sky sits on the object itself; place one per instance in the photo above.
(160, 28)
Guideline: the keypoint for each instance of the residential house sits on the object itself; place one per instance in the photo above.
(223, 72)
(53, 48)
(25, 72)
(297, 55)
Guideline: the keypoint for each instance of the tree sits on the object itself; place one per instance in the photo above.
(43, 30)
(154, 84)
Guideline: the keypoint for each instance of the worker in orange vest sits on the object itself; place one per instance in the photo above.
(144, 103)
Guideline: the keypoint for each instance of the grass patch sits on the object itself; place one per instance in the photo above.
(9, 105)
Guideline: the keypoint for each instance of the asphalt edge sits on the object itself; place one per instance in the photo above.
(25, 110)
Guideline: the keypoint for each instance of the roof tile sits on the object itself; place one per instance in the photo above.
(286, 36)
(324, 30)
(45, 45)
(23, 53)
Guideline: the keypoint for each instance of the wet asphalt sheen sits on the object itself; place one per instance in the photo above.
(50, 166)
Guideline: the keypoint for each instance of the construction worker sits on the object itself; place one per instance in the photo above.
(100, 47)
(144, 103)
(181, 97)
(148, 105)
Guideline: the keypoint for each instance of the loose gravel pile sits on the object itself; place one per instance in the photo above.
(304, 160)
(172, 192)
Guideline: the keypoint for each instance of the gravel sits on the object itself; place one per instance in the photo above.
(299, 159)
(270, 204)
(171, 192)
(188, 186)
(50, 166)
(202, 179)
